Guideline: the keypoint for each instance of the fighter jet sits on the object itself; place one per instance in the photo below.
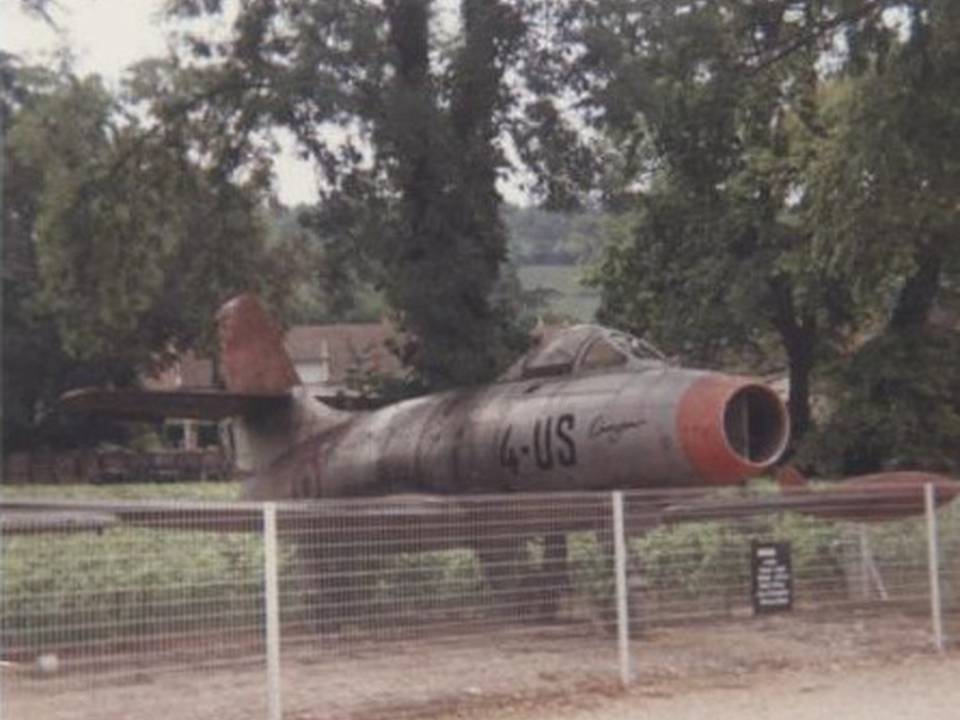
(592, 409)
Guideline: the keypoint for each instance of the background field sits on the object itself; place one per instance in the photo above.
(567, 296)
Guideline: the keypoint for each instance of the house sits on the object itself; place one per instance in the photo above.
(333, 358)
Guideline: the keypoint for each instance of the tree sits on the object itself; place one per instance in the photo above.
(884, 193)
(789, 196)
(136, 243)
(119, 245)
(718, 262)
(320, 291)
(885, 187)
(896, 405)
(404, 126)
(440, 157)
(36, 367)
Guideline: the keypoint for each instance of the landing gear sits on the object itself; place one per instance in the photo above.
(522, 585)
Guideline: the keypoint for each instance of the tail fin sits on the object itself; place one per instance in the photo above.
(252, 356)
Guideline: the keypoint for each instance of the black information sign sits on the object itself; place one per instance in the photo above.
(772, 577)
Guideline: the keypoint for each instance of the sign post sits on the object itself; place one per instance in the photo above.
(771, 576)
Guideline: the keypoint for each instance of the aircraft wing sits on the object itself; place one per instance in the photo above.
(880, 497)
(413, 523)
(133, 404)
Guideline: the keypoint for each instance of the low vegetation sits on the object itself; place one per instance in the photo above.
(142, 585)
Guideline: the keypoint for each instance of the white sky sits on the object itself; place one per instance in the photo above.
(106, 36)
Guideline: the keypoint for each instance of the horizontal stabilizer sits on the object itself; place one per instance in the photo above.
(133, 404)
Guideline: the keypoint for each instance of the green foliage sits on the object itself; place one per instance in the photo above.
(36, 365)
(447, 243)
(884, 187)
(100, 585)
(409, 586)
(591, 573)
(663, 277)
(403, 128)
(136, 244)
(712, 261)
(817, 549)
(689, 560)
(119, 242)
(897, 406)
(883, 199)
(321, 288)
(780, 193)
(780, 198)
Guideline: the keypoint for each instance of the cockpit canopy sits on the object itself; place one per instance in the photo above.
(586, 348)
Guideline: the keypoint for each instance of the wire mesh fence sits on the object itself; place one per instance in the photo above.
(317, 610)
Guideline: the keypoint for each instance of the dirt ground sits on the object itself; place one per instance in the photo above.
(913, 688)
(791, 667)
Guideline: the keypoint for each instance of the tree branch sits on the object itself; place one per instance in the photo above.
(756, 63)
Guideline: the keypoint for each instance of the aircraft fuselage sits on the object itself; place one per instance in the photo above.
(663, 426)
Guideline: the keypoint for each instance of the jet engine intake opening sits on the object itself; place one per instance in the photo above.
(755, 424)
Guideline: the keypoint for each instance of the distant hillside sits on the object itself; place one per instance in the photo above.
(567, 297)
(551, 251)
(543, 237)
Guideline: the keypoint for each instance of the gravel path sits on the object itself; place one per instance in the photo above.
(916, 688)
(849, 667)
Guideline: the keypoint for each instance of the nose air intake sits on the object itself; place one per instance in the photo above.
(731, 428)
(754, 423)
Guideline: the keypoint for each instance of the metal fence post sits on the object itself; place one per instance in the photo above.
(933, 564)
(4, 677)
(620, 570)
(272, 611)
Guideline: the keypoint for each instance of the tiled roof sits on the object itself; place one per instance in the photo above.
(348, 347)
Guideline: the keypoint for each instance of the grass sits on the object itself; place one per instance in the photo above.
(214, 491)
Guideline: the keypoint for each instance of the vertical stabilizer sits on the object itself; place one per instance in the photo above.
(252, 356)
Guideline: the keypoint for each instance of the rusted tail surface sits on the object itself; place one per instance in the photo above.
(252, 356)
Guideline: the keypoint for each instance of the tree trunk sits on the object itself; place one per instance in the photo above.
(798, 332)
(919, 291)
(800, 355)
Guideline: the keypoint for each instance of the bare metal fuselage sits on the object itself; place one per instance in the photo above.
(662, 426)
